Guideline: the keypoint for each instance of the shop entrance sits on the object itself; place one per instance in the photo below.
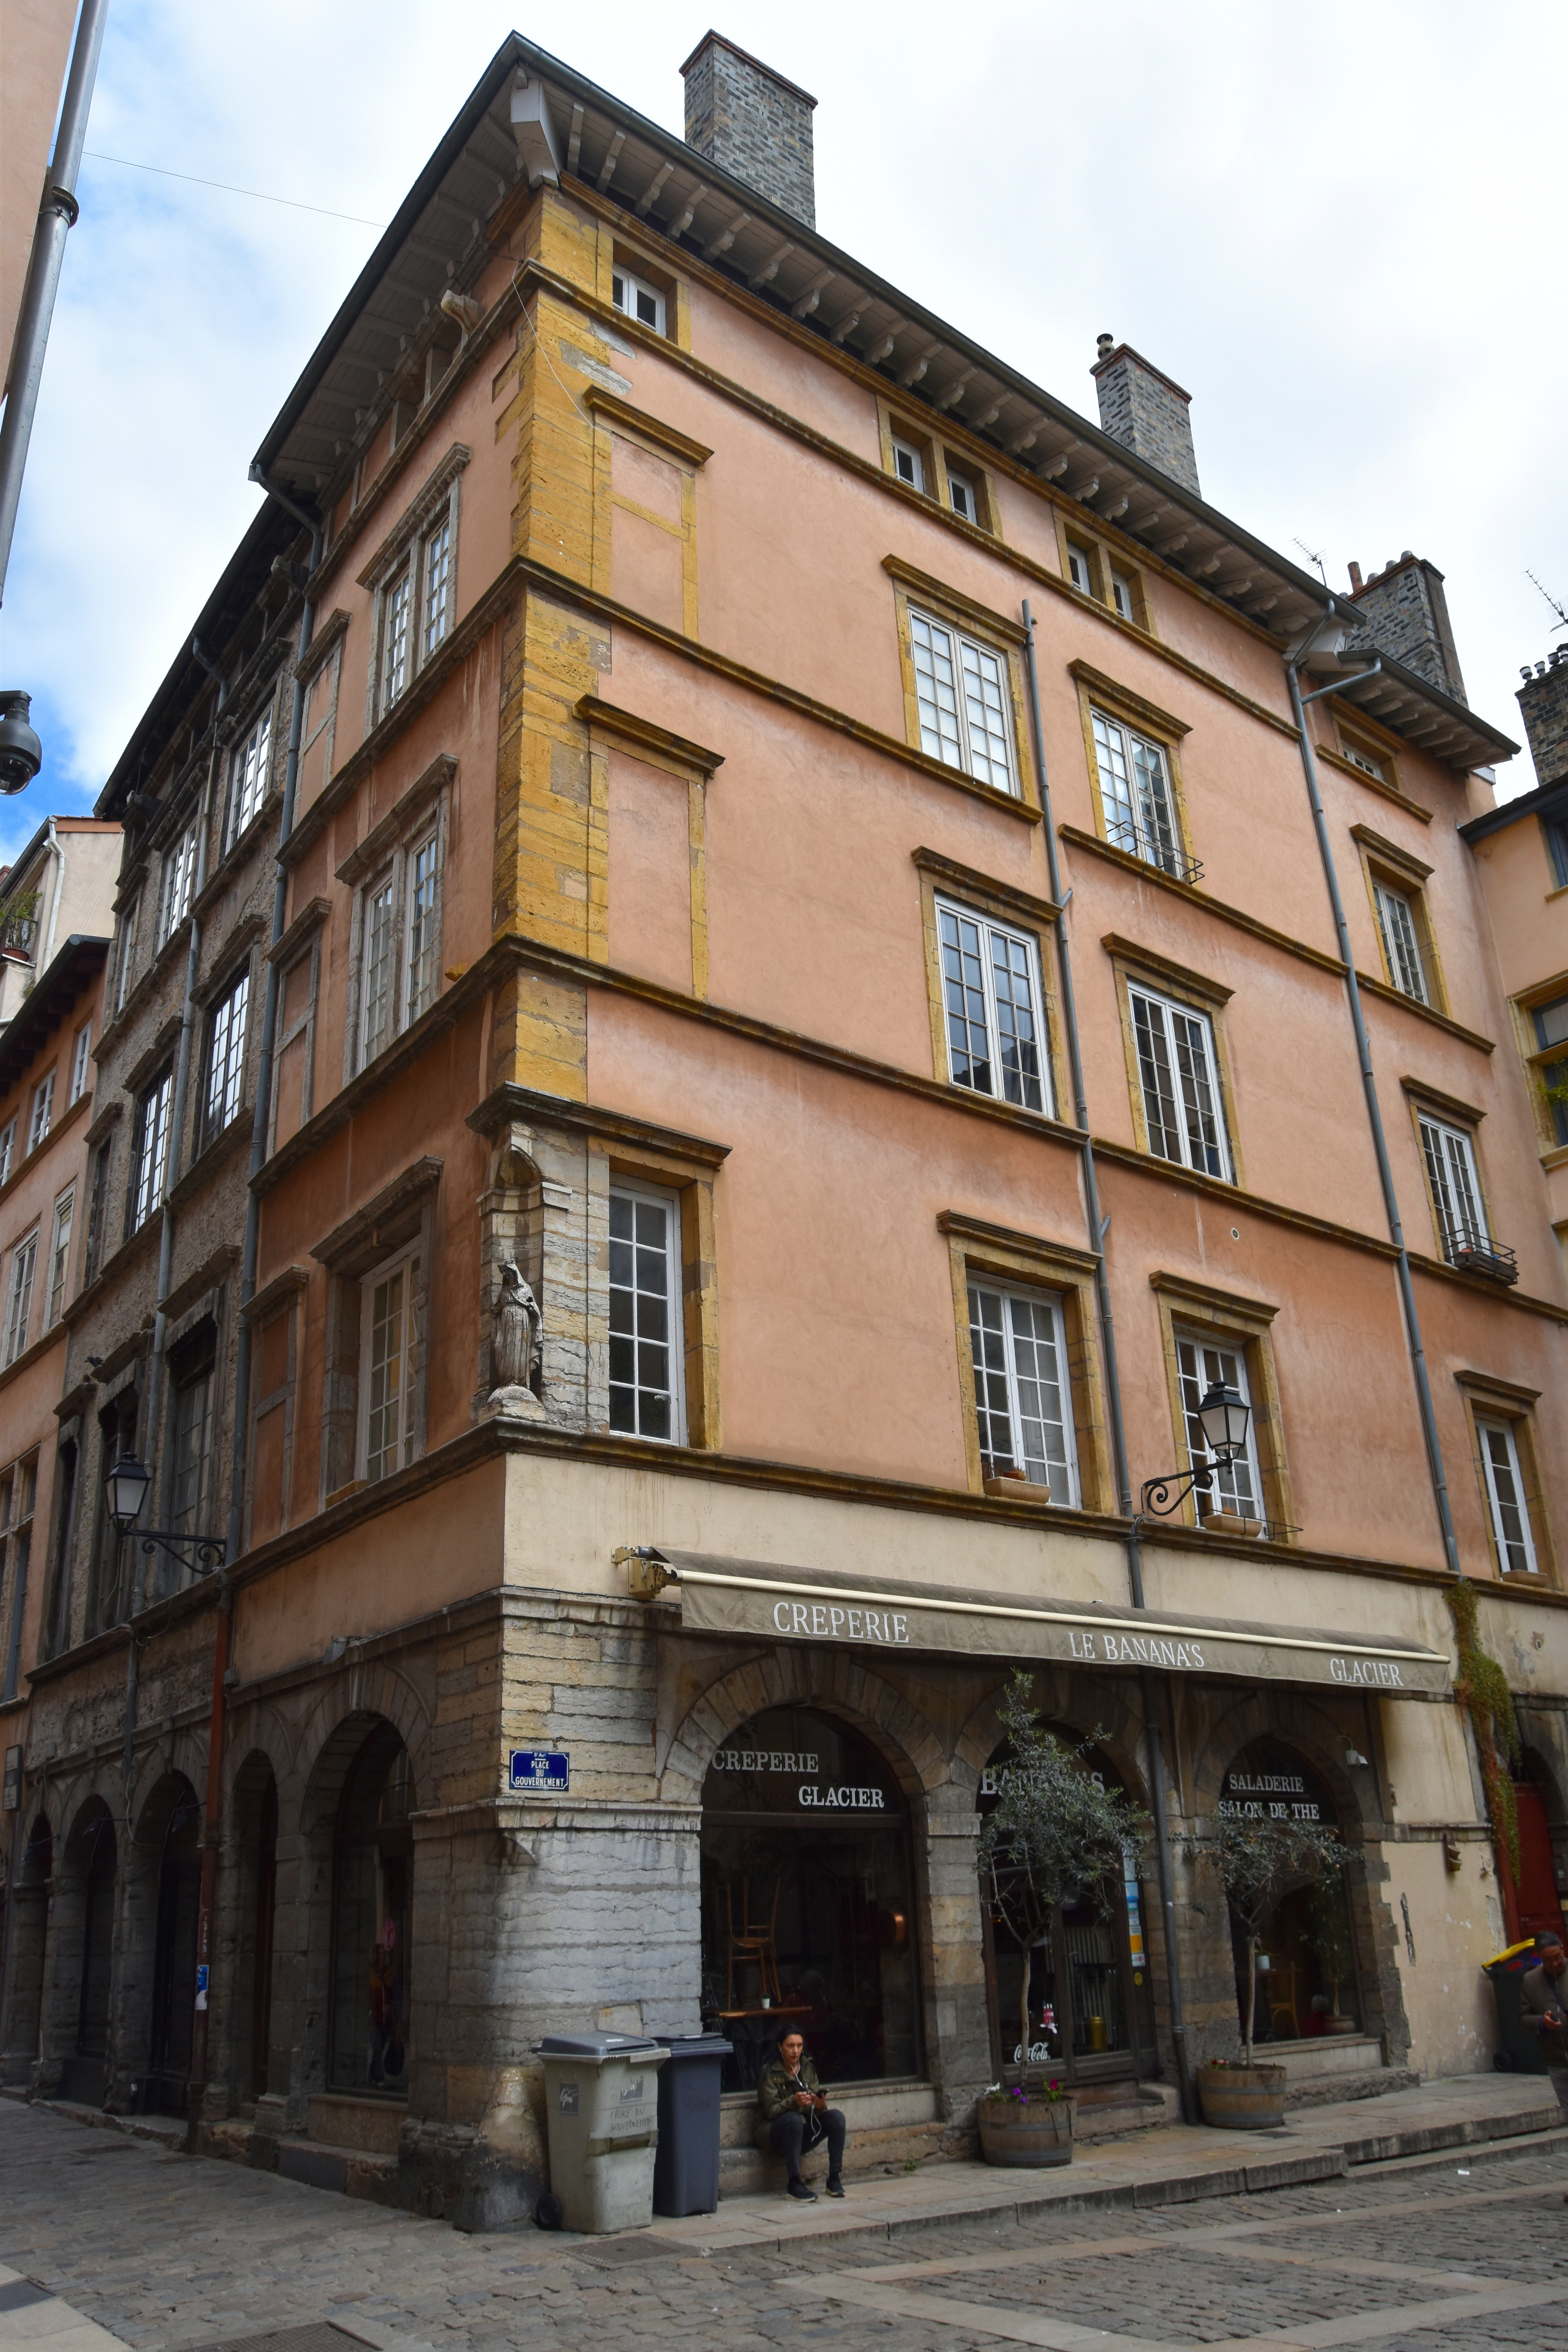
(1091, 2009)
(1306, 1979)
(93, 1855)
(1540, 1904)
(373, 1862)
(166, 2090)
(808, 1901)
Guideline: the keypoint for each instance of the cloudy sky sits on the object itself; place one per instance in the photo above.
(1339, 228)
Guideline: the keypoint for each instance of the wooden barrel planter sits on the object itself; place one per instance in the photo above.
(1243, 2098)
(1025, 2131)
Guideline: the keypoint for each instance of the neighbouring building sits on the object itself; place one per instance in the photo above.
(728, 1008)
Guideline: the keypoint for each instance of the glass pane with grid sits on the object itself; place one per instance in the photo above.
(642, 1356)
(179, 880)
(225, 1058)
(985, 710)
(936, 690)
(1200, 1093)
(19, 1298)
(1021, 1400)
(248, 787)
(1552, 1029)
(1456, 1189)
(80, 1055)
(60, 1259)
(1401, 948)
(395, 617)
(963, 1001)
(1018, 1041)
(437, 587)
(377, 986)
(152, 1150)
(1505, 1493)
(42, 1111)
(1149, 1034)
(424, 927)
(1135, 794)
(387, 1374)
(193, 1437)
(1225, 1485)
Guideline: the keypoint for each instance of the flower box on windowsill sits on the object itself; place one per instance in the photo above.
(1497, 1262)
(1229, 1523)
(1013, 1486)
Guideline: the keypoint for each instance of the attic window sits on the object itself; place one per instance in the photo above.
(638, 300)
(1363, 760)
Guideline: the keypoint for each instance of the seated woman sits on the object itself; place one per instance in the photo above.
(793, 2116)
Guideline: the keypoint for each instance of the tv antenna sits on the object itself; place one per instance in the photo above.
(1561, 615)
(1317, 560)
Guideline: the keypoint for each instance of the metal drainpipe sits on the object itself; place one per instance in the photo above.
(1097, 1228)
(1293, 660)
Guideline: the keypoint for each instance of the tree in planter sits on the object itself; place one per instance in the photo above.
(1255, 1860)
(1054, 1833)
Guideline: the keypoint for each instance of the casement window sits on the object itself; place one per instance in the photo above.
(1456, 1197)
(249, 769)
(1503, 1477)
(177, 884)
(1178, 1073)
(962, 697)
(96, 1211)
(1397, 930)
(41, 1111)
(636, 299)
(112, 1573)
(399, 938)
(1136, 796)
(19, 1295)
(18, 1496)
(1234, 1487)
(1367, 762)
(415, 606)
(149, 1151)
(1557, 850)
(991, 1009)
(59, 1257)
(1121, 595)
(909, 463)
(389, 1302)
(223, 1072)
(7, 1147)
(961, 497)
(645, 1336)
(1023, 1399)
(192, 1368)
(1080, 572)
(127, 923)
(1550, 1022)
(82, 1057)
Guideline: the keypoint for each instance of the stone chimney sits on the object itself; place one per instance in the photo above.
(752, 123)
(1543, 706)
(1145, 412)
(1404, 612)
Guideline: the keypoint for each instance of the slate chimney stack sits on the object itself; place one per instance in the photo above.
(1145, 412)
(1404, 612)
(752, 123)
(1543, 706)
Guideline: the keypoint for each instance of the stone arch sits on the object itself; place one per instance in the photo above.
(1113, 1723)
(794, 1675)
(28, 1899)
(78, 1974)
(328, 1738)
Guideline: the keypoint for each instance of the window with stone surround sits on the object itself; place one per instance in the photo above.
(1034, 1419)
(395, 928)
(223, 1060)
(42, 1110)
(176, 885)
(1209, 1335)
(149, 1151)
(250, 773)
(19, 1295)
(378, 1301)
(1396, 887)
(637, 299)
(18, 1495)
(992, 1004)
(81, 1054)
(59, 1257)
(1502, 1417)
(1022, 1403)
(1183, 1113)
(646, 1339)
(413, 584)
(961, 694)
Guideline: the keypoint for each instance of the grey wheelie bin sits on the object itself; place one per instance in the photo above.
(685, 2169)
(601, 2094)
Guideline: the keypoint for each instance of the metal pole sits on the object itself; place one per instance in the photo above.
(1097, 1230)
(57, 217)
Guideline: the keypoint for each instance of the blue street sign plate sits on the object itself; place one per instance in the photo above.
(540, 1767)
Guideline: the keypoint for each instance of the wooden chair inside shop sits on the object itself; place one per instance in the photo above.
(751, 1944)
(1278, 1987)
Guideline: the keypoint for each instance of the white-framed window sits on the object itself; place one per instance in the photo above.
(128, 923)
(81, 1055)
(59, 1257)
(249, 766)
(1505, 1498)
(396, 618)
(909, 465)
(961, 689)
(19, 1295)
(8, 1147)
(415, 605)
(41, 1111)
(388, 1298)
(961, 497)
(1079, 569)
(991, 1002)
(399, 932)
(149, 1151)
(191, 1429)
(178, 883)
(1365, 761)
(1401, 941)
(1225, 1485)
(1022, 1397)
(1455, 1186)
(646, 1367)
(1182, 1108)
(436, 591)
(1135, 794)
(638, 299)
(1121, 594)
(223, 1075)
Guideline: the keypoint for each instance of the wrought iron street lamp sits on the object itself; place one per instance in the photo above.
(128, 1482)
(1224, 1414)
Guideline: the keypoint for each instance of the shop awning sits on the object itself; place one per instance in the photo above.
(720, 1595)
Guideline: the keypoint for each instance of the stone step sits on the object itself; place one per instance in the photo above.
(351, 2171)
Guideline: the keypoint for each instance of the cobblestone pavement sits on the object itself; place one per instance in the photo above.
(166, 2251)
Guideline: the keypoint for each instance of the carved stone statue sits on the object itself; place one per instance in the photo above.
(514, 1332)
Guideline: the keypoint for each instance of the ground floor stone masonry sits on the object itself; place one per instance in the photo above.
(748, 1825)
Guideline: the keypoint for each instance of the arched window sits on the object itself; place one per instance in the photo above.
(807, 1900)
(372, 1871)
(1306, 1979)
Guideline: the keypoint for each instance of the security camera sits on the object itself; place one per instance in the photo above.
(21, 754)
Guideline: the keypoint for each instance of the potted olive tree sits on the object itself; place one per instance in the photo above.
(1053, 1836)
(1331, 1942)
(1255, 1858)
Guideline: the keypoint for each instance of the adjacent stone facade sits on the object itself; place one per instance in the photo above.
(752, 123)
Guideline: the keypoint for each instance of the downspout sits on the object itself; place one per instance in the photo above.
(1097, 1231)
(1293, 660)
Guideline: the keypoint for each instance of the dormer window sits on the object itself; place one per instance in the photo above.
(1363, 760)
(638, 300)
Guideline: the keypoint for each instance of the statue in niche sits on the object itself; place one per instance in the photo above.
(514, 1334)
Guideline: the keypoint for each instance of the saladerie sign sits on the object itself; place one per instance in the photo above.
(772, 1609)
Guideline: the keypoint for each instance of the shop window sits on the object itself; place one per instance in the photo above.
(90, 1872)
(1308, 1985)
(165, 2088)
(1092, 2013)
(990, 1002)
(1023, 1400)
(808, 1892)
(372, 1867)
(645, 1351)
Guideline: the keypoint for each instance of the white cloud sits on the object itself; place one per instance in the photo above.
(1336, 229)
